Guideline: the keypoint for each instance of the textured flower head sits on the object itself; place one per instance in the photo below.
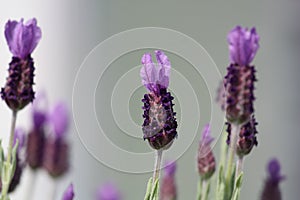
(108, 192)
(22, 38)
(59, 119)
(160, 124)
(243, 45)
(155, 76)
(206, 160)
(69, 193)
(20, 136)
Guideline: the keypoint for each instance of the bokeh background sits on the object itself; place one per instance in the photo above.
(71, 29)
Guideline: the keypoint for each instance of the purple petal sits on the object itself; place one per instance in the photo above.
(20, 136)
(59, 119)
(170, 168)
(39, 110)
(108, 192)
(206, 138)
(274, 171)
(22, 38)
(164, 68)
(148, 72)
(69, 193)
(243, 45)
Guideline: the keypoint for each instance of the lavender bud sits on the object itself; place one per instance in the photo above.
(56, 157)
(108, 192)
(247, 137)
(205, 158)
(22, 40)
(168, 189)
(271, 189)
(69, 193)
(240, 78)
(160, 124)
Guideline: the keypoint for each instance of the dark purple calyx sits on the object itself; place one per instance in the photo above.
(160, 124)
(239, 86)
(18, 91)
(35, 148)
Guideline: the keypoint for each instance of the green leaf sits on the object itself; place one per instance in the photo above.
(1, 157)
(155, 190)
(207, 189)
(14, 160)
(238, 185)
(148, 191)
(220, 184)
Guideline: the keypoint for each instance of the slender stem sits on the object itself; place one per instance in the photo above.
(204, 190)
(199, 189)
(235, 129)
(6, 178)
(239, 166)
(157, 166)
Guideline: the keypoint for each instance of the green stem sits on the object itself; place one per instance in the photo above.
(157, 166)
(204, 190)
(239, 166)
(235, 129)
(6, 178)
(199, 190)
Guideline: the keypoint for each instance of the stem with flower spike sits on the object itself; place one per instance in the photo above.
(8, 168)
(157, 165)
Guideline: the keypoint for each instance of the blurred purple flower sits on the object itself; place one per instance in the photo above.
(206, 159)
(108, 192)
(59, 119)
(22, 38)
(271, 190)
(39, 110)
(69, 193)
(243, 45)
(168, 190)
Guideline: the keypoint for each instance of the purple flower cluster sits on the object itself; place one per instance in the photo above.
(108, 191)
(22, 38)
(69, 193)
(168, 190)
(160, 124)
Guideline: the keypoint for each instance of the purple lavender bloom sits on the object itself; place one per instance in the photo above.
(240, 78)
(271, 189)
(69, 193)
(168, 190)
(108, 192)
(59, 118)
(39, 110)
(205, 159)
(160, 124)
(56, 158)
(22, 38)
(247, 137)
(243, 45)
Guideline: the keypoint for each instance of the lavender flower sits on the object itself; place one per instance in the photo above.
(240, 78)
(36, 137)
(221, 96)
(69, 193)
(271, 189)
(22, 40)
(160, 124)
(205, 158)
(108, 192)
(247, 137)
(168, 189)
(56, 156)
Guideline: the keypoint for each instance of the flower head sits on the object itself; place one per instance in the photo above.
(243, 45)
(69, 193)
(160, 124)
(205, 159)
(108, 192)
(22, 38)
(168, 190)
(271, 190)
